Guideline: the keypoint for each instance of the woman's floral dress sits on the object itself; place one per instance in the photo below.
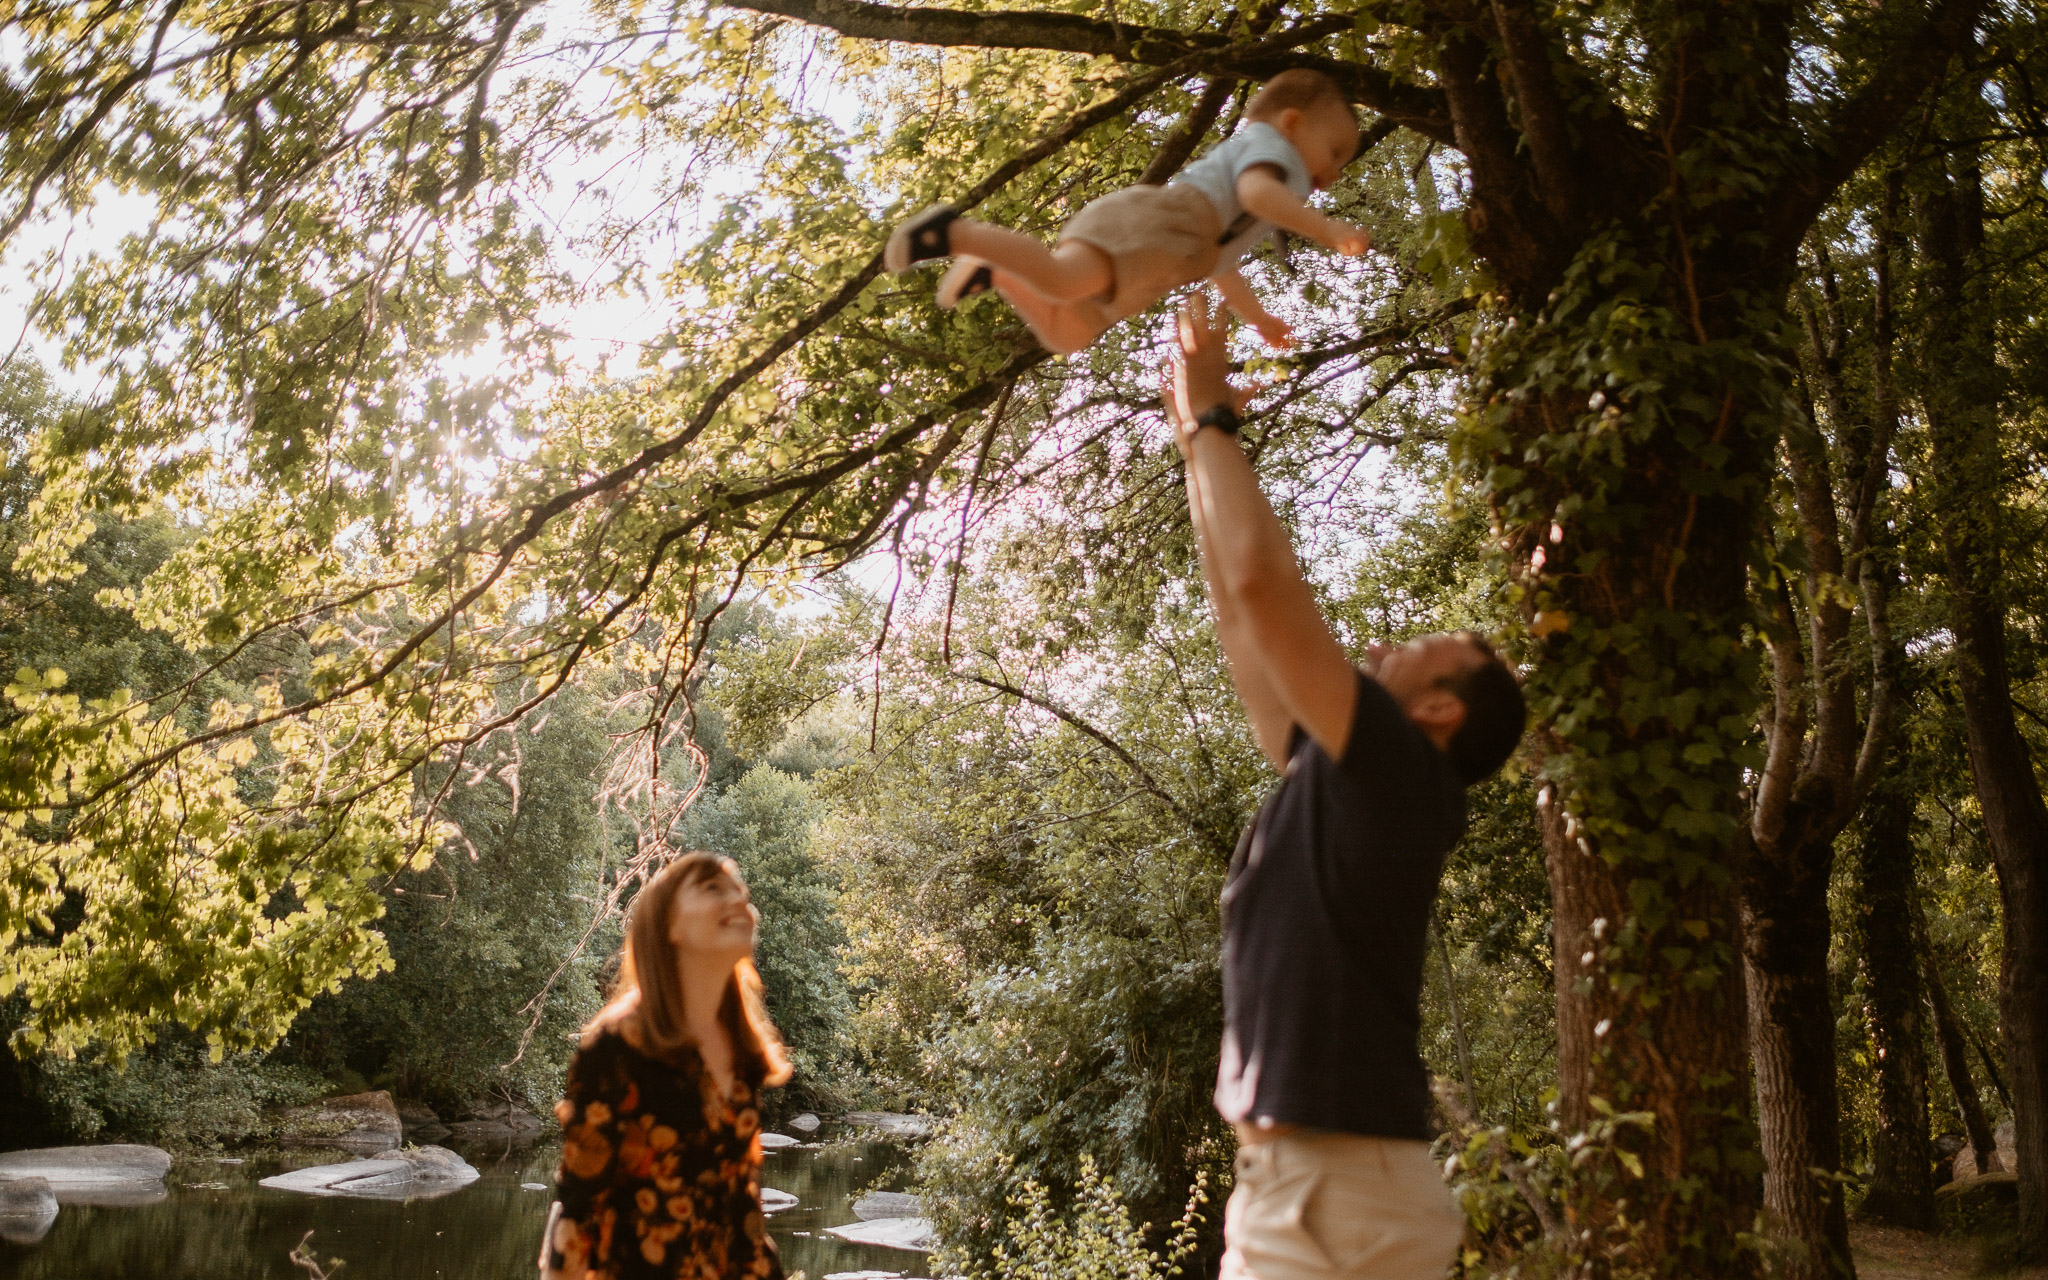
(661, 1176)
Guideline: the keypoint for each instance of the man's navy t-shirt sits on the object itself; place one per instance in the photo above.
(1325, 917)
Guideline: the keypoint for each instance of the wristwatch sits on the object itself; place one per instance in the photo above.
(1222, 417)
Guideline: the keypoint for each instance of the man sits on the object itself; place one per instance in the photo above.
(1330, 890)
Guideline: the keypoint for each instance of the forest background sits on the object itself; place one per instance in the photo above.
(372, 641)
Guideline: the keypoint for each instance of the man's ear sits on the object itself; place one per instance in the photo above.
(1440, 713)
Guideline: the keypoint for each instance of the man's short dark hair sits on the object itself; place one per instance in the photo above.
(1495, 714)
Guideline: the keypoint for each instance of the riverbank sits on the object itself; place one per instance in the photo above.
(217, 1222)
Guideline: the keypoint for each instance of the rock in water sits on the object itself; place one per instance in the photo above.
(773, 1201)
(413, 1114)
(112, 1174)
(805, 1123)
(499, 1122)
(354, 1122)
(894, 1123)
(416, 1173)
(27, 1209)
(913, 1234)
(887, 1204)
(421, 1122)
(777, 1141)
(437, 1164)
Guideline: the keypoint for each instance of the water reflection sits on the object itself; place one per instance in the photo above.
(217, 1224)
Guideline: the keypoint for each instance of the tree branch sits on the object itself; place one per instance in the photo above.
(1861, 122)
(1510, 227)
(1188, 134)
(1542, 109)
(109, 98)
(1413, 105)
(1150, 783)
(1785, 732)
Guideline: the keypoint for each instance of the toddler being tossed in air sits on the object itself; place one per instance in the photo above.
(1126, 251)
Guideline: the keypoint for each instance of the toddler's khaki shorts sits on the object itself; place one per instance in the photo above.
(1158, 238)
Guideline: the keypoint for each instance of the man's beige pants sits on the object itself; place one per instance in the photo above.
(1317, 1206)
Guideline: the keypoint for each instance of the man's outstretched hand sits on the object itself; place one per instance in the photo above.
(1201, 370)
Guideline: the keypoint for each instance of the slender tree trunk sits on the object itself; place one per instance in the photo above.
(1962, 399)
(1902, 1175)
(1792, 1039)
(1471, 1081)
(1990, 1065)
(1955, 1059)
(1820, 760)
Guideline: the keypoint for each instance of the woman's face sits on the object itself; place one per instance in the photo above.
(713, 919)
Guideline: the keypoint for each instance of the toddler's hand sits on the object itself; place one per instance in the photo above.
(1278, 334)
(1347, 239)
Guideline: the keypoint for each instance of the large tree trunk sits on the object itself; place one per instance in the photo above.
(1623, 447)
(1642, 814)
(1902, 1174)
(1962, 399)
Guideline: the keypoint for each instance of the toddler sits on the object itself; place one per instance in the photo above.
(1126, 251)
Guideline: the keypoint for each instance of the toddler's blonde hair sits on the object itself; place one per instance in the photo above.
(1300, 89)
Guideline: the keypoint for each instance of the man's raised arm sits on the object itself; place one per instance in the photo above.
(1287, 665)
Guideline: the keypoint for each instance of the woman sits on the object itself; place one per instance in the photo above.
(661, 1151)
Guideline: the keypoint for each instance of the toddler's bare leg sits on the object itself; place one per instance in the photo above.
(1072, 270)
(1061, 326)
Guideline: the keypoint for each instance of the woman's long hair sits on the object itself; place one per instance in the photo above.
(650, 986)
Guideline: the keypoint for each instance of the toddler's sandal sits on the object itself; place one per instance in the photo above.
(964, 279)
(920, 239)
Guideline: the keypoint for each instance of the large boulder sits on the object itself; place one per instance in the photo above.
(410, 1173)
(1945, 1148)
(2005, 1160)
(117, 1173)
(1977, 1206)
(354, 1122)
(27, 1209)
(913, 1234)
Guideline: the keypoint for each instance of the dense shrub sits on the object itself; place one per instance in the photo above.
(169, 1096)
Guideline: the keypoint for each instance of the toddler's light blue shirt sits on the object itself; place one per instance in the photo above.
(1216, 173)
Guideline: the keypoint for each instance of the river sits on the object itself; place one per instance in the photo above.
(217, 1224)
